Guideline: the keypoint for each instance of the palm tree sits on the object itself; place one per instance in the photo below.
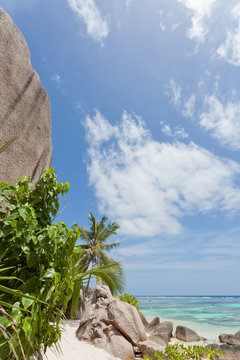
(95, 245)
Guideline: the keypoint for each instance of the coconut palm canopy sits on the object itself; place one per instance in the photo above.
(95, 246)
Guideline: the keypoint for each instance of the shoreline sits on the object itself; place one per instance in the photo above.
(211, 332)
(73, 349)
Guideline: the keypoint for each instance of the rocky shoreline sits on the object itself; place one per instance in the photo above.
(123, 332)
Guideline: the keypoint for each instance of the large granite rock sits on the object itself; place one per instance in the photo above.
(185, 334)
(114, 343)
(25, 109)
(111, 324)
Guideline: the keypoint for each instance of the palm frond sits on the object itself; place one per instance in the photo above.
(111, 274)
(110, 246)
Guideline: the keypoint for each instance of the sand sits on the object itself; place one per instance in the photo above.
(73, 349)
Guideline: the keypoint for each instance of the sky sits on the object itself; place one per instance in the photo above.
(145, 104)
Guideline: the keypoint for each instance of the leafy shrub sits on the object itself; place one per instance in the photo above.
(181, 352)
(130, 299)
(37, 259)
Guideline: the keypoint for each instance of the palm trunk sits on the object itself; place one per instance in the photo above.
(87, 287)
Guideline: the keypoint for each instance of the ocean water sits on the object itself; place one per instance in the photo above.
(209, 316)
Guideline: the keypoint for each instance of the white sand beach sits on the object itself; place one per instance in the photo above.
(73, 349)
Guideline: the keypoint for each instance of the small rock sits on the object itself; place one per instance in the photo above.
(149, 348)
(229, 339)
(163, 331)
(185, 334)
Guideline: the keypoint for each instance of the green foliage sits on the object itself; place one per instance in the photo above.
(182, 352)
(95, 247)
(37, 260)
(130, 299)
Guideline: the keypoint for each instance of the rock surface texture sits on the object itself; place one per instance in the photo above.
(111, 324)
(163, 331)
(185, 334)
(149, 348)
(25, 109)
(228, 352)
(230, 339)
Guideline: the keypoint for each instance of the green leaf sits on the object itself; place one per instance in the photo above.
(50, 273)
(57, 278)
(27, 324)
(27, 302)
(24, 213)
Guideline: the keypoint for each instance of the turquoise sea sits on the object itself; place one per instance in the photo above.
(208, 315)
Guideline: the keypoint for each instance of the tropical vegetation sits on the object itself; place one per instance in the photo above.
(182, 352)
(95, 246)
(130, 299)
(38, 267)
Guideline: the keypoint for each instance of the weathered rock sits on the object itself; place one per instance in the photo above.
(185, 334)
(157, 339)
(149, 348)
(144, 320)
(25, 109)
(228, 352)
(110, 323)
(153, 324)
(113, 342)
(126, 319)
(229, 339)
(163, 331)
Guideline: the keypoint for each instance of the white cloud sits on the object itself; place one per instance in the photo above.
(178, 131)
(189, 107)
(166, 130)
(57, 79)
(147, 186)
(162, 26)
(174, 91)
(200, 10)
(222, 121)
(97, 27)
(230, 49)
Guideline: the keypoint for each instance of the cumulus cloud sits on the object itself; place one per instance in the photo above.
(222, 121)
(229, 50)
(177, 132)
(147, 186)
(199, 10)
(97, 26)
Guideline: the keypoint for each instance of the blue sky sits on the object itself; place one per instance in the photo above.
(146, 128)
